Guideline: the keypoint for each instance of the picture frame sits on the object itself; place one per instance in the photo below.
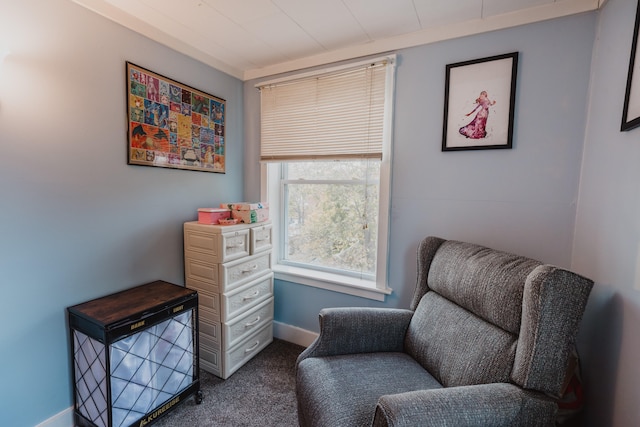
(479, 103)
(631, 108)
(172, 125)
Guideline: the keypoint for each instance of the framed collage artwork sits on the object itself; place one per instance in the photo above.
(173, 125)
(479, 103)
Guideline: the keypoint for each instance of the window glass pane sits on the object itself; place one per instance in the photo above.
(335, 170)
(332, 226)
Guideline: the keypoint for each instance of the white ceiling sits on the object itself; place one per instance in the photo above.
(256, 38)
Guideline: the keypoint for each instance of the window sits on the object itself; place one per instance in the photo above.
(330, 216)
(325, 148)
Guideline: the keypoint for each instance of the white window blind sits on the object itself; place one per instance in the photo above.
(334, 115)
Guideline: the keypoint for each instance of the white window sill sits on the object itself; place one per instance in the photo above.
(332, 282)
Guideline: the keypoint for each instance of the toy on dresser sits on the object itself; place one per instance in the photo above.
(234, 213)
(248, 213)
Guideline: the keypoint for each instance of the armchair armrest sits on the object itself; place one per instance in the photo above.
(359, 330)
(499, 404)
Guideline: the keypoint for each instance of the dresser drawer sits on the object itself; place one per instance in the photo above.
(201, 287)
(210, 360)
(235, 244)
(245, 350)
(208, 341)
(209, 314)
(198, 269)
(206, 299)
(260, 238)
(218, 246)
(210, 301)
(241, 299)
(209, 333)
(198, 239)
(238, 329)
(237, 273)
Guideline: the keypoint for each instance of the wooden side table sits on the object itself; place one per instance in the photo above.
(135, 354)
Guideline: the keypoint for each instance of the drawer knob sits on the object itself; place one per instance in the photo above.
(252, 296)
(250, 269)
(235, 245)
(253, 347)
(250, 324)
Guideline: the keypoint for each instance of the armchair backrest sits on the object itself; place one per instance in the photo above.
(484, 316)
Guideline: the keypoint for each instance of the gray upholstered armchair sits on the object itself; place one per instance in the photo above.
(486, 342)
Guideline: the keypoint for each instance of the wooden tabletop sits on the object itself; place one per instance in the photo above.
(121, 305)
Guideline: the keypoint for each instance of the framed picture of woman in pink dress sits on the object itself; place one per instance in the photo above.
(479, 103)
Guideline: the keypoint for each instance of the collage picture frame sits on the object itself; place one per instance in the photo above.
(173, 125)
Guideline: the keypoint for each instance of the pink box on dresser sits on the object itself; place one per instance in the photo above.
(212, 215)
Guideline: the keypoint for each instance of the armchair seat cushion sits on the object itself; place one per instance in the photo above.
(321, 379)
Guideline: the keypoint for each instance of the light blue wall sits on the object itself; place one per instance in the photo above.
(607, 238)
(521, 200)
(77, 222)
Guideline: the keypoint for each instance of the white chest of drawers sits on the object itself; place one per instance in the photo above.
(230, 267)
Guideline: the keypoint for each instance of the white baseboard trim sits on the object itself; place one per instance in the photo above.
(61, 419)
(282, 331)
(293, 334)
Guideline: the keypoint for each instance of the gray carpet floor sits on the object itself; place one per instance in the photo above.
(261, 393)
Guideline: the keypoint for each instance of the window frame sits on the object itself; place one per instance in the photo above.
(272, 191)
